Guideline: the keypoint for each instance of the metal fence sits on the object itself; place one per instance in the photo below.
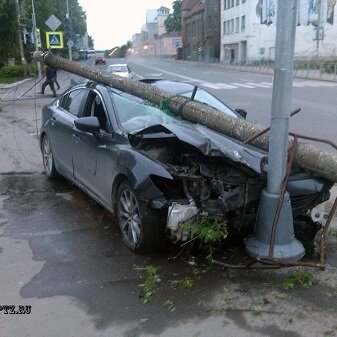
(319, 69)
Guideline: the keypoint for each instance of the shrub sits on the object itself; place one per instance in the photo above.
(17, 70)
(330, 67)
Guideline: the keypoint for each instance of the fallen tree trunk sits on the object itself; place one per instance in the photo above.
(309, 157)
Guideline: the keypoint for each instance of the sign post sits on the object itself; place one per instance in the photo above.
(37, 40)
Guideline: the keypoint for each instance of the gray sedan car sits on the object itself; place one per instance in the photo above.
(157, 171)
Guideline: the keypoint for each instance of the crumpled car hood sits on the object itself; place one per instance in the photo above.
(209, 142)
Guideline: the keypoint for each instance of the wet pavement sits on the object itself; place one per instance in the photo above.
(62, 253)
(83, 258)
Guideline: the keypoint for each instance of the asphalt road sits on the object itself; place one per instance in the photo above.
(62, 254)
(253, 92)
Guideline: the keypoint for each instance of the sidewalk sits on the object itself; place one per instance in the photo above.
(20, 119)
(312, 74)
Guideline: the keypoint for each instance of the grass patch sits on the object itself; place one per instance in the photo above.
(301, 278)
(151, 282)
(169, 305)
(9, 80)
(185, 282)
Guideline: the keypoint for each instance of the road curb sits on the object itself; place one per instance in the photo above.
(12, 85)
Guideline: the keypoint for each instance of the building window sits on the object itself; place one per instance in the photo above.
(224, 5)
(224, 28)
(243, 23)
(232, 3)
(243, 1)
(237, 2)
(237, 25)
(232, 26)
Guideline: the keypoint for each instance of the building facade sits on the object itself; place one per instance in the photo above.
(166, 44)
(248, 30)
(201, 30)
(153, 38)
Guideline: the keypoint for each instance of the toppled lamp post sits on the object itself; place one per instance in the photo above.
(308, 157)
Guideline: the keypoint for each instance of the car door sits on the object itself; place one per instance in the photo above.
(70, 106)
(92, 154)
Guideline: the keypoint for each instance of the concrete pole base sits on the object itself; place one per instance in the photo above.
(286, 246)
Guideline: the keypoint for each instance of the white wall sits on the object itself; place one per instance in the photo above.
(261, 37)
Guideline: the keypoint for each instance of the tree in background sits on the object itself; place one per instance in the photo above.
(44, 9)
(124, 49)
(90, 42)
(121, 51)
(9, 46)
(173, 21)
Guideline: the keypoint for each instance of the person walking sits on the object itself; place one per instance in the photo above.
(55, 79)
(50, 78)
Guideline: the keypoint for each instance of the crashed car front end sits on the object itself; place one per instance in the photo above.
(221, 178)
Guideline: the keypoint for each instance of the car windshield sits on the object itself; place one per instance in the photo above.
(203, 96)
(117, 69)
(134, 114)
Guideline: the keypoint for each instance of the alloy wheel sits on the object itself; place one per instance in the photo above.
(129, 217)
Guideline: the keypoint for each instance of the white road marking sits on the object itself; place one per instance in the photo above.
(211, 85)
(160, 74)
(242, 85)
(236, 85)
(260, 85)
(226, 86)
(299, 85)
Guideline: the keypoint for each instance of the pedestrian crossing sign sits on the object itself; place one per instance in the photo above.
(54, 40)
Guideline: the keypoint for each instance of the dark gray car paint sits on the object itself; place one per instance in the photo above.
(211, 143)
(101, 159)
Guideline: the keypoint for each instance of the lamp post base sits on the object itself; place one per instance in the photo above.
(286, 247)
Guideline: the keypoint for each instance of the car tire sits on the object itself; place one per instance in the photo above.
(142, 229)
(48, 158)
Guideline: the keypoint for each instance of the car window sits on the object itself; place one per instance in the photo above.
(72, 101)
(135, 115)
(94, 107)
(203, 96)
(118, 69)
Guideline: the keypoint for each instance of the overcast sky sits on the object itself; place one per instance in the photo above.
(113, 22)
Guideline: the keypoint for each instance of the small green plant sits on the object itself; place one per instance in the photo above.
(208, 231)
(150, 285)
(164, 105)
(302, 278)
(186, 282)
(256, 312)
(170, 305)
(278, 295)
(333, 232)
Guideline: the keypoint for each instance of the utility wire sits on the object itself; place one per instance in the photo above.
(23, 94)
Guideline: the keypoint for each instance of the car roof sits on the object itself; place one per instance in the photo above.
(174, 87)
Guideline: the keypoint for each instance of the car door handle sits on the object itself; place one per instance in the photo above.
(76, 137)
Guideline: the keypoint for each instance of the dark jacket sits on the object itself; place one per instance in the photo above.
(50, 72)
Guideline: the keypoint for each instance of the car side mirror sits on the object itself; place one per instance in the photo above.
(88, 124)
(241, 112)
